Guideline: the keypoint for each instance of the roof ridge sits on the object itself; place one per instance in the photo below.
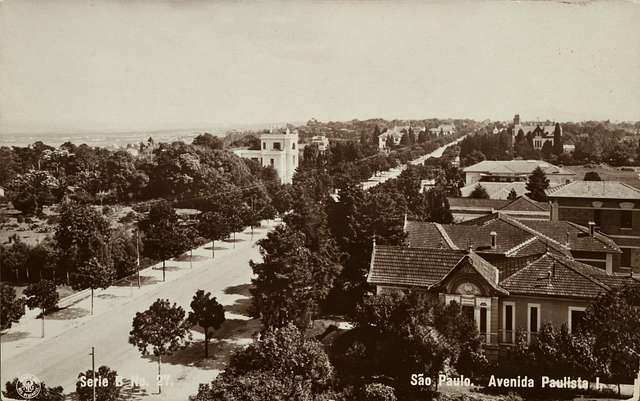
(587, 276)
(597, 235)
(445, 236)
(530, 230)
(516, 248)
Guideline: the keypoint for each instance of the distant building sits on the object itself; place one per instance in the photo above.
(426, 185)
(321, 141)
(610, 207)
(1, 192)
(443, 129)
(278, 149)
(515, 171)
(541, 133)
(522, 208)
(568, 148)
(396, 134)
(497, 190)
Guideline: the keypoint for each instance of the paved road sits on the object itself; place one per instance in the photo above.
(71, 333)
(395, 172)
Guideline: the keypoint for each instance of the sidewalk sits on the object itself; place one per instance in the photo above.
(75, 309)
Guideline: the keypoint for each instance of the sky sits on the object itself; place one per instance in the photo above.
(70, 65)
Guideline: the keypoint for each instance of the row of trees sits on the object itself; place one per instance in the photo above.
(40, 175)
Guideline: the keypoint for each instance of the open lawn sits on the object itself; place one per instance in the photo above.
(609, 173)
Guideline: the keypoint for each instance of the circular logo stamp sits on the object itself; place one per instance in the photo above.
(28, 386)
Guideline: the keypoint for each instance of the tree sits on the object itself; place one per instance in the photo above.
(537, 184)
(12, 308)
(435, 207)
(378, 392)
(207, 313)
(161, 330)
(547, 149)
(208, 140)
(82, 233)
(558, 147)
(30, 191)
(513, 195)
(110, 392)
(45, 394)
(474, 157)
(164, 238)
(613, 322)
(405, 337)
(389, 143)
(213, 226)
(479, 193)
(281, 365)
(94, 274)
(291, 282)
(42, 295)
(592, 176)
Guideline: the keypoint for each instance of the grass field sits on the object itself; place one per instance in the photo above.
(609, 173)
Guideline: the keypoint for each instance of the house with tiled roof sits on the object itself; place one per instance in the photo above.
(515, 171)
(510, 243)
(611, 207)
(548, 288)
(523, 207)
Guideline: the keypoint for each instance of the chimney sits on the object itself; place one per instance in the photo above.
(567, 239)
(592, 228)
(494, 239)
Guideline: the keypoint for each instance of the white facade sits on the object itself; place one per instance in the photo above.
(278, 150)
(322, 142)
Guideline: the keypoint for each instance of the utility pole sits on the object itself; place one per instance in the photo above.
(93, 372)
(137, 258)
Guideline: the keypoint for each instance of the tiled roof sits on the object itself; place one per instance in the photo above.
(578, 236)
(595, 190)
(554, 275)
(516, 167)
(424, 234)
(553, 233)
(402, 266)
(488, 271)
(548, 275)
(455, 203)
(524, 203)
(497, 190)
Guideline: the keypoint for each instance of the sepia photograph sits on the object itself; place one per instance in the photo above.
(372, 200)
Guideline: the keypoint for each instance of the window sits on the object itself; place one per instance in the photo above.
(483, 320)
(626, 219)
(467, 311)
(576, 318)
(276, 146)
(272, 162)
(508, 322)
(264, 146)
(533, 321)
(293, 145)
(625, 261)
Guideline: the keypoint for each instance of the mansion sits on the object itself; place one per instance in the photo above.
(507, 274)
(541, 133)
(278, 149)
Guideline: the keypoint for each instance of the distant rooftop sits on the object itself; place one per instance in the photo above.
(595, 189)
(515, 167)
